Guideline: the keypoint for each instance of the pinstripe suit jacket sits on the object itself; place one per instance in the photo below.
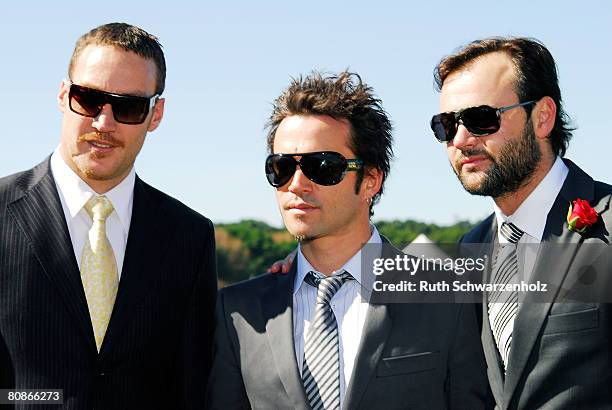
(156, 353)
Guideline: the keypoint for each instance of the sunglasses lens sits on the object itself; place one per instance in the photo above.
(85, 102)
(481, 120)
(279, 169)
(444, 126)
(126, 109)
(324, 168)
(130, 110)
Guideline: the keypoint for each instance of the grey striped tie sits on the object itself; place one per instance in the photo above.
(504, 305)
(321, 370)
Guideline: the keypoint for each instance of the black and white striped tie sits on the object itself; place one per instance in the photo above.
(321, 370)
(504, 305)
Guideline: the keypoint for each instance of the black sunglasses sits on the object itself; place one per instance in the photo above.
(479, 121)
(127, 109)
(323, 168)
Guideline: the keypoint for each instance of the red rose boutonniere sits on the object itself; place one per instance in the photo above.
(580, 216)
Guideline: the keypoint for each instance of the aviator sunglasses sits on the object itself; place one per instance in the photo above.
(127, 109)
(479, 121)
(323, 168)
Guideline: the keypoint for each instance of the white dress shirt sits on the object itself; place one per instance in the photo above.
(347, 304)
(531, 217)
(74, 194)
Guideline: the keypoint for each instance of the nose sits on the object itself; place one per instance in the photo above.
(463, 138)
(105, 121)
(299, 183)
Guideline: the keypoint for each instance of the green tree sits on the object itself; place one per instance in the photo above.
(247, 248)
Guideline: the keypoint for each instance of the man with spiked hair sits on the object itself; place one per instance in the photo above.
(314, 338)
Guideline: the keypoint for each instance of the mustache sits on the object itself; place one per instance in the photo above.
(472, 153)
(100, 137)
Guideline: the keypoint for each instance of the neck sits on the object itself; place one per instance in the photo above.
(100, 187)
(511, 201)
(329, 253)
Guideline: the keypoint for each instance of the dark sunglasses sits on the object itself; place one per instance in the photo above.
(323, 168)
(479, 121)
(127, 109)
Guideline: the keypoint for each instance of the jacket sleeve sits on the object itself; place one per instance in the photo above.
(196, 348)
(468, 384)
(226, 388)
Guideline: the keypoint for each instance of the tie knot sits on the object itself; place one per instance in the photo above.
(510, 232)
(99, 208)
(327, 285)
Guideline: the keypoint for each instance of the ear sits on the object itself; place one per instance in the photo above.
(543, 117)
(62, 95)
(158, 114)
(372, 181)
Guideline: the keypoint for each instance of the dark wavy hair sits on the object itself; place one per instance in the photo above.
(536, 76)
(342, 96)
(128, 38)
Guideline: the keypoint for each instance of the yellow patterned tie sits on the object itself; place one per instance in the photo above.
(99, 268)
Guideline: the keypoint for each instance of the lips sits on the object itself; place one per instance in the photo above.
(476, 159)
(98, 147)
(300, 207)
(99, 144)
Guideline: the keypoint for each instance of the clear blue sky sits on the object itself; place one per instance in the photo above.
(227, 63)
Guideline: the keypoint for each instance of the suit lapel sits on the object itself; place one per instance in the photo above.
(373, 339)
(277, 310)
(40, 216)
(144, 252)
(550, 267)
(495, 369)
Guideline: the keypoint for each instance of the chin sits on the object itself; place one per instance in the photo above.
(473, 179)
(94, 171)
(473, 187)
(100, 174)
(299, 230)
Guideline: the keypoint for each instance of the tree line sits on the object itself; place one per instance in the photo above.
(247, 248)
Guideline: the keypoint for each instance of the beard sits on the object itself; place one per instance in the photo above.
(83, 163)
(512, 169)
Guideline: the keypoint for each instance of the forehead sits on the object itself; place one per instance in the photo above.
(487, 80)
(113, 69)
(309, 133)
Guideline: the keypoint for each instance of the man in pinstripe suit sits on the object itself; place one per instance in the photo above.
(158, 277)
(311, 339)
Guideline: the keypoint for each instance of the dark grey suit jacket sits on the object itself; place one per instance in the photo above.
(561, 356)
(411, 356)
(157, 349)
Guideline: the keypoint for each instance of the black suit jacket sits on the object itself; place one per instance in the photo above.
(410, 356)
(157, 349)
(561, 356)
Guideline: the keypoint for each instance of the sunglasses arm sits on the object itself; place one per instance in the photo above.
(354, 164)
(509, 107)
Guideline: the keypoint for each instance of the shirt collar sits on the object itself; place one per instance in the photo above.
(76, 192)
(352, 266)
(531, 215)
